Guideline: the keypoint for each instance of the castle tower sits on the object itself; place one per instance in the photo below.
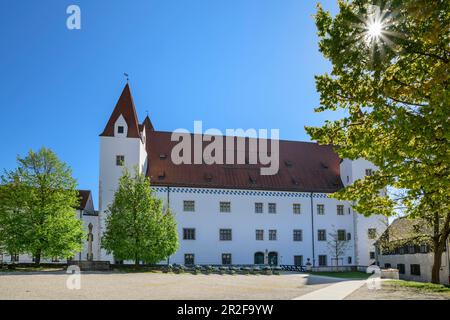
(367, 229)
(122, 145)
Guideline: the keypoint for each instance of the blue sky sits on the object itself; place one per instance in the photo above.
(231, 64)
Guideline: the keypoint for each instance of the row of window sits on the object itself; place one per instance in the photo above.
(189, 259)
(225, 206)
(297, 234)
(414, 269)
(408, 249)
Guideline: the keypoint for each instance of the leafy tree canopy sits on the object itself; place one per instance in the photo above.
(390, 74)
(137, 226)
(37, 208)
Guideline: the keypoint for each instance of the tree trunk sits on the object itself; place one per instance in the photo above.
(37, 257)
(437, 256)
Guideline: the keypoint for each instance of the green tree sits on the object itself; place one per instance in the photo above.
(390, 75)
(37, 208)
(137, 227)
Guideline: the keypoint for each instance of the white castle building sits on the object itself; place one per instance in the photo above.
(230, 214)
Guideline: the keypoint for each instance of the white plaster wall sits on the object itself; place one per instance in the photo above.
(426, 263)
(135, 155)
(208, 220)
(350, 172)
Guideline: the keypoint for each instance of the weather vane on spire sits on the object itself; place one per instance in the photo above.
(126, 76)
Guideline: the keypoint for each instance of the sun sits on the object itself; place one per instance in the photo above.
(374, 29)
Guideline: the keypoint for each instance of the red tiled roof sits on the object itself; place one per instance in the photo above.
(84, 197)
(124, 107)
(303, 166)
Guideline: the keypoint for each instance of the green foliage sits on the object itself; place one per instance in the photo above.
(137, 227)
(395, 96)
(37, 208)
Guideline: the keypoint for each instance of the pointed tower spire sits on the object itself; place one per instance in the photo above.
(124, 107)
(148, 124)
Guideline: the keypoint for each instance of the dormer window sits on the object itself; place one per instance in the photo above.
(120, 129)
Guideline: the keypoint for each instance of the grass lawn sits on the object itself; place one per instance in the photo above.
(421, 286)
(345, 275)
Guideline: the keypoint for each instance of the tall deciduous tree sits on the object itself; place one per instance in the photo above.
(37, 208)
(137, 227)
(390, 74)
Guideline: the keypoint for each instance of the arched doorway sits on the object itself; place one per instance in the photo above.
(259, 257)
(273, 258)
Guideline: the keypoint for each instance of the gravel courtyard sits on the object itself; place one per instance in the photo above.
(147, 285)
(158, 286)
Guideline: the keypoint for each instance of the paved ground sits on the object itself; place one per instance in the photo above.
(52, 285)
(159, 286)
(335, 291)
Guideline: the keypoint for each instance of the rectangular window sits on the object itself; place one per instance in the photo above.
(322, 260)
(225, 206)
(188, 234)
(372, 233)
(387, 265)
(259, 234)
(321, 235)
(411, 249)
(320, 209)
(340, 209)
(423, 248)
(298, 260)
(120, 160)
(272, 208)
(401, 268)
(258, 207)
(273, 235)
(341, 235)
(415, 269)
(372, 255)
(226, 258)
(349, 236)
(349, 260)
(188, 206)
(225, 234)
(298, 235)
(369, 172)
(120, 129)
(296, 208)
(189, 259)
